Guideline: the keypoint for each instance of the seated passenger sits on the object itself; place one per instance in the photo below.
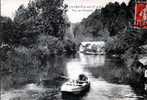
(82, 78)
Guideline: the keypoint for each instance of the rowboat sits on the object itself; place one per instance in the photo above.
(75, 87)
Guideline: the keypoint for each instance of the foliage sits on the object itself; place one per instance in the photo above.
(113, 23)
(105, 22)
(6, 29)
(89, 27)
(123, 41)
(52, 45)
(39, 18)
(28, 65)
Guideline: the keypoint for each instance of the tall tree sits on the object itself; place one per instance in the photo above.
(40, 17)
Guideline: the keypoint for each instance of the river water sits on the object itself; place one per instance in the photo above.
(106, 74)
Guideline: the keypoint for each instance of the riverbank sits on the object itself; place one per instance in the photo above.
(135, 62)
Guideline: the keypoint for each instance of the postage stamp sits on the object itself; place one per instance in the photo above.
(141, 15)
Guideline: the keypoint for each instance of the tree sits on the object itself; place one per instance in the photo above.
(53, 16)
(6, 30)
(40, 17)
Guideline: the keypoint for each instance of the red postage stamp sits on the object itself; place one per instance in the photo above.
(141, 15)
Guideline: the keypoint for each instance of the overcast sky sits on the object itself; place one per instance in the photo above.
(78, 9)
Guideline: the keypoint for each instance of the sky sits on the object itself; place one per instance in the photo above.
(77, 9)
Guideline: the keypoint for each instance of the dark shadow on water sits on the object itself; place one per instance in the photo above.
(139, 89)
(71, 96)
(52, 83)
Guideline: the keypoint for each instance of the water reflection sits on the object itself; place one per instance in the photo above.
(78, 66)
(74, 69)
(92, 60)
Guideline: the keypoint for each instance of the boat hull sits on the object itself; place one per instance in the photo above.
(66, 90)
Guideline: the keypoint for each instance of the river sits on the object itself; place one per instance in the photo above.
(106, 74)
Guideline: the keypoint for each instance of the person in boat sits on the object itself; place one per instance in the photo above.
(82, 78)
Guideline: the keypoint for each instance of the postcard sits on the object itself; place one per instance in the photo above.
(73, 50)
